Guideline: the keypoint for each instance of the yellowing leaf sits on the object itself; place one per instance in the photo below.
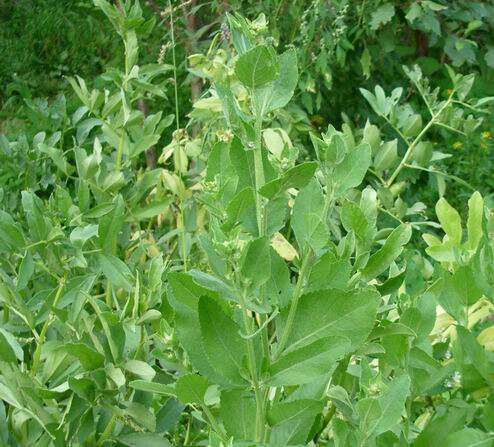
(474, 222)
(449, 219)
(486, 338)
(283, 247)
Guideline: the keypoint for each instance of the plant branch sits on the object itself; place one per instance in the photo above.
(293, 308)
(46, 325)
(414, 143)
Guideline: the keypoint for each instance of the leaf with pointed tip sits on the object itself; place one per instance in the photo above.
(238, 413)
(474, 222)
(191, 389)
(153, 387)
(308, 221)
(257, 67)
(329, 272)
(307, 363)
(392, 248)
(334, 312)
(296, 177)
(256, 262)
(392, 405)
(89, 358)
(351, 171)
(10, 232)
(285, 84)
(223, 345)
(450, 220)
(292, 421)
(184, 298)
(116, 271)
(293, 410)
(144, 440)
(140, 369)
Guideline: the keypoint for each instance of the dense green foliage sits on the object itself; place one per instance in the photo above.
(268, 229)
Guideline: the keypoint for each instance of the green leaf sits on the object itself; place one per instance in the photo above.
(372, 136)
(379, 415)
(242, 204)
(168, 415)
(257, 67)
(386, 156)
(116, 271)
(184, 295)
(153, 387)
(142, 415)
(392, 248)
(223, 345)
(238, 413)
(26, 271)
(392, 404)
(10, 232)
(140, 369)
(89, 358)
(460, 290)
(35, 216)
(474, 222)
(449, 421)
(80, 235)
(333, 312)
(285, 84)
(306, 364)
(489, 57)
(425, 372)
(296, 177)
(354, 219)
(381, 16)
(292, 421)
(150, 210)
(308, 220)
(256, 262)
(144, 440)
(58, 158)
(333, 149)
(468, 437)
(366, 62)
(351, 171)
(191, 389)
(143, 144)
(329, 273)
(473, 353)
(111, 224)
(7, 354)
(450, 220)
(294, 410)
(12, 343)
(278, 288)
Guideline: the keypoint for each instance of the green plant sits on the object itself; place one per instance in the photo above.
(246, 294)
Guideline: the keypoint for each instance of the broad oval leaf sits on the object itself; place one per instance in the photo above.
(257, 67)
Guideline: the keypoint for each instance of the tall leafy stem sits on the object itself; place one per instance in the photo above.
(181, 216)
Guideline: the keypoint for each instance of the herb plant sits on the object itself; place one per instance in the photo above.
(242, 292)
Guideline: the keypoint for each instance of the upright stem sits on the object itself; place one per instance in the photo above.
(253, 370)
(118, 162)
(172, 31)
(108, 430)
(46, 325)
(261, 397)
(259, 179)
(183, 239)
(414, 143)
(293, 308)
